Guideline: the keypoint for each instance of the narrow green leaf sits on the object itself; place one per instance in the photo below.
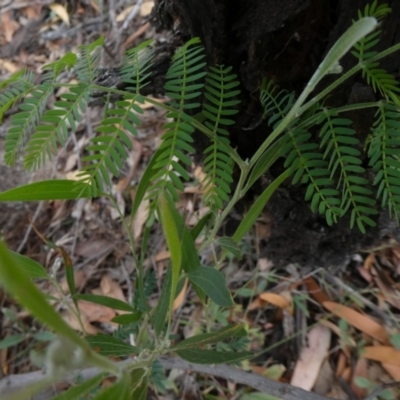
(14, 281)
(171, 233)
(110, 346)
(126, 319)
(139, 384)
(212, 337)
(105, 301)
(201, 356)
(256, 209)
(163, 304)
(47, 190)
(76, 392)
(31, 269)
(213, 283)
(230, 245)
(12, 340)
(120, 391)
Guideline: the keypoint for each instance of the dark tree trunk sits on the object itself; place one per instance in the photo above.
(284, 40)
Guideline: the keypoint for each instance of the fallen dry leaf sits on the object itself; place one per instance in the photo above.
(383, 354)
(146, 8)
(335, 329)
(392, 370)
(315, 290)
(73, 322)
(278, 300)
(181, 296)
(140, 219)
(60, 11)
(341, 364)
(8, 26)
(111, 288)
(96, 312)
(359, 321)
(311, 358)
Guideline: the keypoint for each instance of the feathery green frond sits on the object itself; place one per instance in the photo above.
(184, 82)
(276, 104)
(15, 88)
(384, 154)
(344, 159)
(136, 66)
(309, 166)
(377, 77)
(53, 70)
(108, 150)
(220, 92)
(23, 123)
(86, 65)
(53, 125)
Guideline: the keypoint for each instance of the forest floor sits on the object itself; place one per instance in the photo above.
(334, 331)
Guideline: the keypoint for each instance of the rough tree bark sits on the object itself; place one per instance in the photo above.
(284, 40)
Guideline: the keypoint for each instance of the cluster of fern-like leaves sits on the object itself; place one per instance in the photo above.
(331, 163)
(190, 87)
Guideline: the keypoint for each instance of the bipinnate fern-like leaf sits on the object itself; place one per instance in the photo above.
(136, 66)
(23, 123)
(344, 160)
(220, 92)
(309, 167)
(87, 63)
(49, 126)
(276, 103)
(184, 83)
(108, 150)
(384, 154)
(15, 88)
(54, 124)
(380, 80)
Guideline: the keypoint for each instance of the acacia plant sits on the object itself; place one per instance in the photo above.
(202, 98)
